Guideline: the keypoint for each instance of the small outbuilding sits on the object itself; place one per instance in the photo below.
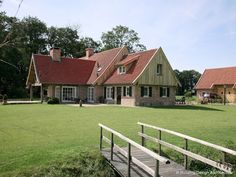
(220, 82)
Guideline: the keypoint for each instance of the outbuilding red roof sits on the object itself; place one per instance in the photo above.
(68, 71)
(217, 76)
(137, 66)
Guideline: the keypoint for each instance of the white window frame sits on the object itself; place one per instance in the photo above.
(109, 93)
(127, 91)
(57, 92)
(146, 87)
(90, 98)
(73, 96)
(121, 70)
(164, 88)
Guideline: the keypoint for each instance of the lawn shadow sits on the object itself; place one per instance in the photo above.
(185, 107)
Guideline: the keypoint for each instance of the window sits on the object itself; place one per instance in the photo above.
(146, 91)
(57, 92)
(91, 94)
(122, 70)
(164, 92)
(127, 91)
(68, 93)
(159, 69)
(109, 92)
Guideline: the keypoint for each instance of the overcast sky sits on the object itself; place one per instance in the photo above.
(194, 34)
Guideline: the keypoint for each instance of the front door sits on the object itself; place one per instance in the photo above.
(118, 95)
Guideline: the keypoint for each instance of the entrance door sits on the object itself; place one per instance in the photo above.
(118, 95)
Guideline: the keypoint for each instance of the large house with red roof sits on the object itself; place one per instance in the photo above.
(113, 76)
(219, 81)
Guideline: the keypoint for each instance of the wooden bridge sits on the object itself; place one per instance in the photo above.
(136, 160)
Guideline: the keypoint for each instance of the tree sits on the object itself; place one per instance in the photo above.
(188, 80)
(88, 42)
(66, 38)
(122, 36)
(33, 35)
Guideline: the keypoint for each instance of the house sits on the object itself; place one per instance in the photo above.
(218, 81)
(112, 76)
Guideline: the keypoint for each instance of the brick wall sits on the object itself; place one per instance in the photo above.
(155, 99)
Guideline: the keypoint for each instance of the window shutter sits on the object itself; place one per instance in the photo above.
(150, 91)
(161, 91)
(168, 92)
(113, 92)
(124, 91)
(130, 91)
(105, 92)
(142, 91)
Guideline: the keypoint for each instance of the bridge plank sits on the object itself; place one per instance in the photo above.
(119, 163)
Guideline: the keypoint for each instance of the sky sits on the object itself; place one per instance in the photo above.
(194, 34)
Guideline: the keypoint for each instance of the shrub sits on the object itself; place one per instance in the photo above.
(53, 101)
(84, 164)
(188, 94)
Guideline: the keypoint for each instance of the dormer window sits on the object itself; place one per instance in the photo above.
(121, 70)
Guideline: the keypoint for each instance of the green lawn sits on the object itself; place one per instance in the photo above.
(34, 135)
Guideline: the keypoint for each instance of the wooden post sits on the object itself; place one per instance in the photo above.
(129, 159)
(159, 146)
(185, 156)
(223, 161)
(41, 93)
(31, 92)
(112, 145)
(157, 169)
(142, 138)
(101, 138)
(224, 94)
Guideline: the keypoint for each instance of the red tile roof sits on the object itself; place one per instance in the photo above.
(217, 76)
(135, 69)
(68, 71)
(103, 60)
(128, 60)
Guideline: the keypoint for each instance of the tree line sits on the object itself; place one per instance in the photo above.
(19, 39)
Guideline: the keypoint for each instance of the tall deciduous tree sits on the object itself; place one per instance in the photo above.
(188, 79)
(122, 36)
(66, 38)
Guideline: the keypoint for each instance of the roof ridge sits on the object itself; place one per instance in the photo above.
(139, 52)
(226, 67)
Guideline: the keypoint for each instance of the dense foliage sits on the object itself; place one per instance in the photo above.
(188, 80)
(120, 36)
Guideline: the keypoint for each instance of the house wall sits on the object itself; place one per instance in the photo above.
(155, 99)
(128, 101)
(150, 76)
(98, 92)
(82, 92)
(230, 94)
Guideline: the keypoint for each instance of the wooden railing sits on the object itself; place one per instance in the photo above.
(128, 154)
(223, 166)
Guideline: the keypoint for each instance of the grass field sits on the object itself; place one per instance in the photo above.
(35, 135)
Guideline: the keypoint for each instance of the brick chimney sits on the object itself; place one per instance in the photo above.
(89, 52)
(55, 53)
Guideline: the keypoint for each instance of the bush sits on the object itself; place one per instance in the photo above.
(188, 94)
(53, 101)
(84, 164)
